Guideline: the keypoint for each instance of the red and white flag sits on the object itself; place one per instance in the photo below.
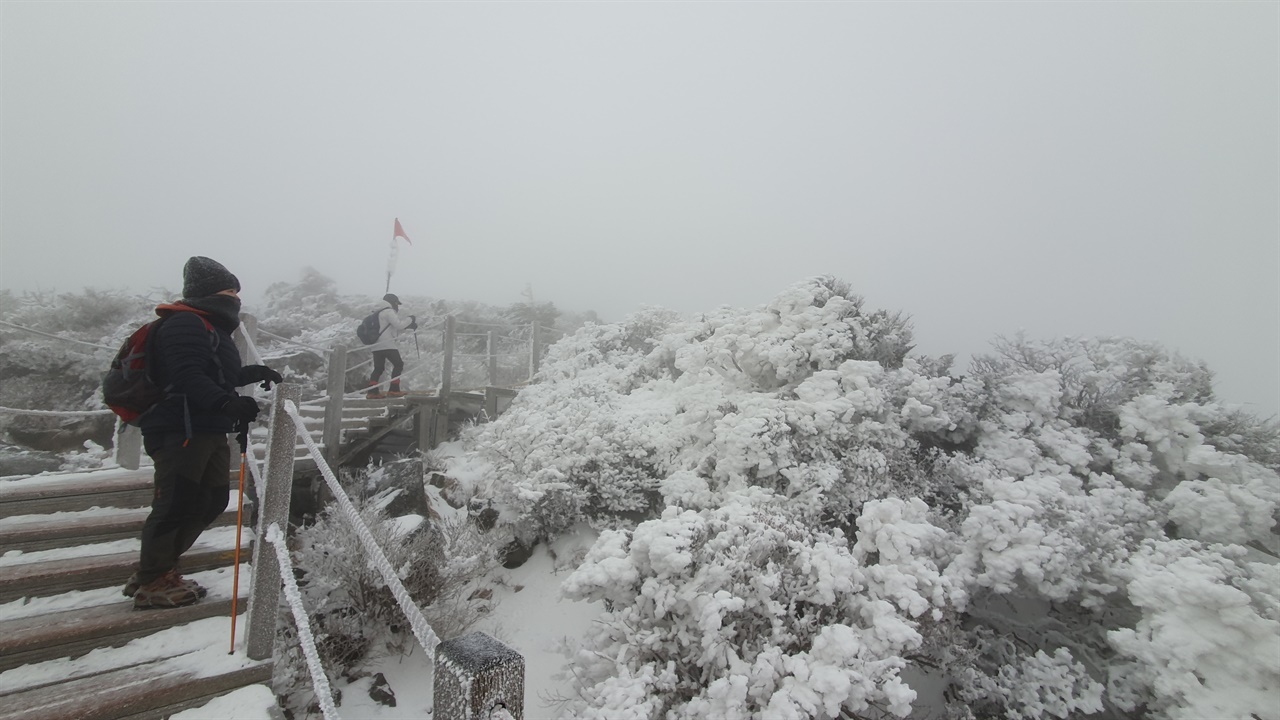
(399, 232)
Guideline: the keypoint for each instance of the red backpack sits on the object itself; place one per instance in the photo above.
(129, 387)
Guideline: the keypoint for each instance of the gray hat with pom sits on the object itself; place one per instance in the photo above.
(202, 277)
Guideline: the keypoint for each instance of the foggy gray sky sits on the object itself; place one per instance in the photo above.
(1062, 168)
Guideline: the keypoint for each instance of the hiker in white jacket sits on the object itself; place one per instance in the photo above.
(387, 348)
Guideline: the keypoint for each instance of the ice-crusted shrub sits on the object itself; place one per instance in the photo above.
(809, 396)
(742, 611)
(1207, 641)
(1043, 474)
(353, 614)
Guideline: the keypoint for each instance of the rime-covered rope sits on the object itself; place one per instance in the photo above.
(287, 341)
(319, 681)
(421, 630)
(356, 394)
(55, 337)
(55, 413)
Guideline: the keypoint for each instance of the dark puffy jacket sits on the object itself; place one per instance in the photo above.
(199, 370)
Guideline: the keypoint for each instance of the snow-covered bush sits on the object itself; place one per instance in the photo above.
(354, 616)
(1043, 509)
(742, 611)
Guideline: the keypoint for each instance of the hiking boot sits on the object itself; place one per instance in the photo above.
(166, 591)
(131, 587)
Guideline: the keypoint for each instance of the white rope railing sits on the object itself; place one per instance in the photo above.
(319, 681)
(421, 630)
(54, 413)
(481, 324)
(287, 341)
(55, 337)
(356, 394)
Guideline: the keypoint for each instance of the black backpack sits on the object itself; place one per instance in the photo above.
(370, 328)
(129, 388)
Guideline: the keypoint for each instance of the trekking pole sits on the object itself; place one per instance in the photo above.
(243, 437)
(416, 346)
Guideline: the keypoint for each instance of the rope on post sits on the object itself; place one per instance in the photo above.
(287, 341)
(55, 413)
(319, 681)
(421, 630)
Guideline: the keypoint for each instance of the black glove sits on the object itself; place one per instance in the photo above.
(413, 322)
(241, 409)
(259, 373)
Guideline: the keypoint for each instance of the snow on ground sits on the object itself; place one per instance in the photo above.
(529, 615)
(248, 703)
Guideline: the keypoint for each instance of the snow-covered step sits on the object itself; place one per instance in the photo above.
(72, 633)
(49, 572)
(70, 493)
(154, 689)
(64, 529)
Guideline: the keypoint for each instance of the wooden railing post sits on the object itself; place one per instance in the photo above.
(490, 403)
(246, 337)
(263, 604)
(535, 351)
(128, 446)
(493, 358)
(476, 674)
(332, 433)
(425, 424)
(446, 383)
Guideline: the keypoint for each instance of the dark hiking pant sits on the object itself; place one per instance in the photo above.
(192, 487)
(380, 359)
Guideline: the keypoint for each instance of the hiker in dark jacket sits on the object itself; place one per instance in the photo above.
(197, 364)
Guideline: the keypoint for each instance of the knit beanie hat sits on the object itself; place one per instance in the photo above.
(202, 277)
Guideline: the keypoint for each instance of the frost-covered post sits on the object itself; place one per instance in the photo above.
(246, 338)
(446, 383)
(493, 358)
(425, 408)
(475, 674)
(535, 351)
(490, 403)
(279, 482)
(128, 446)
(332, 434)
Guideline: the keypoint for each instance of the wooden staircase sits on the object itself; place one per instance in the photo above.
(361, 418)
(71, 645)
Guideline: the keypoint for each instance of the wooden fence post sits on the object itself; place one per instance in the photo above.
(128, 446)
(248, 329)
(446, 383)
(493, 359)
(332, 434)
(535, 351)
(490, 403)
(476, 674)
(263, 604)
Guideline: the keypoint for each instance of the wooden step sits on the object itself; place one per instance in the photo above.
(44, 532)
(150, 691)
(38, 496)
(39, 579)
(72, 633)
